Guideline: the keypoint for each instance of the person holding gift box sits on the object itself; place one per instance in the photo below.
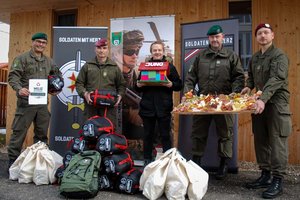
(157, 103)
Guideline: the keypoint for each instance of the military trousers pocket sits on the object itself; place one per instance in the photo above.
(285, 125)
(18, 122)
(284, 119)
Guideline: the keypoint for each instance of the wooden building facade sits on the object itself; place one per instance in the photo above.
(28, 17)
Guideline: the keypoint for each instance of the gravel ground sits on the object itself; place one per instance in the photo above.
(229, 189)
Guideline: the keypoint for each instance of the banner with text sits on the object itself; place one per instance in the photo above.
(130, 45)
(72, 47)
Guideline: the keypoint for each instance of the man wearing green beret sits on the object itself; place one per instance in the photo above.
(216, 70)
(29, 65)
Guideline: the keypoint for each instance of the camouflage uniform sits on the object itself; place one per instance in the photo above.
(94, 75)
(215, 73)
(268, 72)
(28, 66)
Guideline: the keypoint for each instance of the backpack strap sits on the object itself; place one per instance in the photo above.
(128, 159)
(107, 129)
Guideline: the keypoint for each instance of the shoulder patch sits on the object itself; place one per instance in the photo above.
(16, 64)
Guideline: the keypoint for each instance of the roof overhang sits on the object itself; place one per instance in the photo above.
(16, 6)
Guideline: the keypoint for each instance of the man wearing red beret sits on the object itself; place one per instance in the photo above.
(268, 72)
(100, 73)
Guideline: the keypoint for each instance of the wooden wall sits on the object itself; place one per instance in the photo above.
(22, 27)
(284, 17)
(281, 14)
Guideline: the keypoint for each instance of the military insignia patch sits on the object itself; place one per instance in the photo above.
(116, 38)
(16, 64)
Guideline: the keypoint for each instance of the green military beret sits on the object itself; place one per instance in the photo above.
(214, 30)
(39, 36)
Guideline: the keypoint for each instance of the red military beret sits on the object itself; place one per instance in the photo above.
(102, 42)
(263, 26)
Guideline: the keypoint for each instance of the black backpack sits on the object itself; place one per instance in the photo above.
(129, 182)
(111, 143)
(117, 163)
(95, 126)
(106, 182)
(59, 173)
(104, 97)
(67, 158)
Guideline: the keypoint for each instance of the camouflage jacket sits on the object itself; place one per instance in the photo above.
(27, 66)
(268, 72)
(216, 73)
(94, 75)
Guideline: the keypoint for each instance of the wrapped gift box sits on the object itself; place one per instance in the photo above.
(154, 73)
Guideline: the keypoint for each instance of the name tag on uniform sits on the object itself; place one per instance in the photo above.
(38, 91)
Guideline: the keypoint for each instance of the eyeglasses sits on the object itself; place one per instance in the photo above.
(130, 52)
(41, 42)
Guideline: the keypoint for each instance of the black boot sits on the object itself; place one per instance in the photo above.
(263, 181)
(223, 169)
(197, 160)
(274, 190)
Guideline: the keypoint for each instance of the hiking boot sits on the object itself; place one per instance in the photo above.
(223, 169)
(274, 190)
(263, 181)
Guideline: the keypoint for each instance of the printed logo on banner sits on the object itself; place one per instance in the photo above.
(69, 95)
(116, 38)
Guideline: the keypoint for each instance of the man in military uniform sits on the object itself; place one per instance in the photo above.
(100, 73)
(268, 72)
(216, 70)
(30, 65)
